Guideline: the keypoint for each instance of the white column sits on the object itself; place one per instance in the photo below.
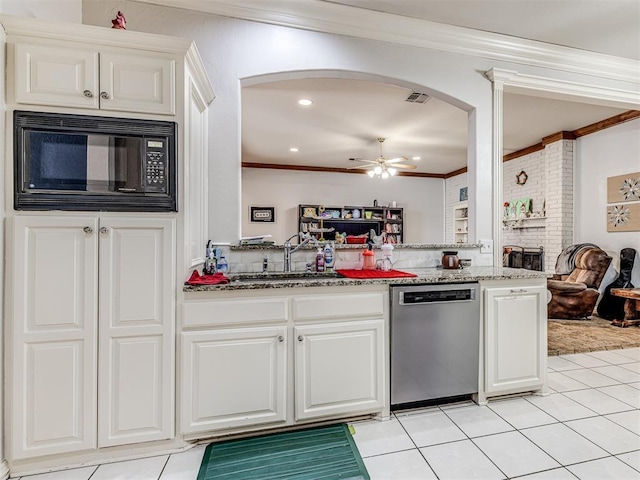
(498, 77)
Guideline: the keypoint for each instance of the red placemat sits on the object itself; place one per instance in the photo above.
(374, 274)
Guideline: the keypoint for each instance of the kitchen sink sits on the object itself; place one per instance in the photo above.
(271, 276)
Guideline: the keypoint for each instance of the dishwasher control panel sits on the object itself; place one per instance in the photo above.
(429, 296)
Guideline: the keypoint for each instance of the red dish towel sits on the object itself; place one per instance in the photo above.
(374, 274)
(215, 279)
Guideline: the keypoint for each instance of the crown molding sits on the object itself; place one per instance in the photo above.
(199, 74)
(307, 168)
(516, 82)
(327, 17)
(76, 32)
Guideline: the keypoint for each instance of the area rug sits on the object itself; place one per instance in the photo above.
(578, 336)
(323, 453)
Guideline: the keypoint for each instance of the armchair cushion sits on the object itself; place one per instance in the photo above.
(567, 287)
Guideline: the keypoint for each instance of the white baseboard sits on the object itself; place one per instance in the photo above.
(4, 470)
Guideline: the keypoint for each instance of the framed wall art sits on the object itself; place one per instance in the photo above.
(623, 188)
(623, 217)
(262, 214)
(464, 194)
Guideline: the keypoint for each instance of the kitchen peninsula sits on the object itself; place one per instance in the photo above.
(305, 347)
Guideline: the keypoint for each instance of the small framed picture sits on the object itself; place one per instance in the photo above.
(464, 194)
(262, 214)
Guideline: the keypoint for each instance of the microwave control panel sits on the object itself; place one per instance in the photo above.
(156, 166)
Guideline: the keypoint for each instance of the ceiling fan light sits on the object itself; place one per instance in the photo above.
(392, 171)
(377, 170)
(385, 174)
(371, 173)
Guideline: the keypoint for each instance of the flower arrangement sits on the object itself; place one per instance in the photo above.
(507, 210)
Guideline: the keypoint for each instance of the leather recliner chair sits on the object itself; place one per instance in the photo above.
(574, 296)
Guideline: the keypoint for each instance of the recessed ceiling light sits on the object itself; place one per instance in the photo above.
(305, 102)
(293, 149)
(415, 158)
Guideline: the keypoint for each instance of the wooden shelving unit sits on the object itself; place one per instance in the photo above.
(324, 221)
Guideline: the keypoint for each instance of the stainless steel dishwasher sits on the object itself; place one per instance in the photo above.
(435, 337)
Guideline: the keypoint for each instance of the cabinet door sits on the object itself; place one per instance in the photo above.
(233, 378)
(137, 83)
(515, 338)
(51, 75)
(136, 359)
(52, 336)
(339, 368)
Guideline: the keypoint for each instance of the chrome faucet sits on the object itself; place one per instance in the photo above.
(288, 250)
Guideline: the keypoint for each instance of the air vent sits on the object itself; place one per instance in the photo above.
(417, 97)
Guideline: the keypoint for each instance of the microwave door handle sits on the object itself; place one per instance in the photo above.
(127, 190)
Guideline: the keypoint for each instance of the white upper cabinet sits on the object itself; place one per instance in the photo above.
(115, 80)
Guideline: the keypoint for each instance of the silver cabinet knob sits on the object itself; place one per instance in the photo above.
(104, 230)
(87, 230)
(280, 338)
(300, 338)
(88, 94)
(104, 95)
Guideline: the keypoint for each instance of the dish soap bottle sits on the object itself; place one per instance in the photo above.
(320, 261)
(328, 256)
(223, 265)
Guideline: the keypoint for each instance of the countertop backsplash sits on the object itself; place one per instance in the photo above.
(251, 259)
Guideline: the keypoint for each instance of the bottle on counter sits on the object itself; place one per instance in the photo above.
(223, 265)
(368, 258)
(320, 261)
(328, 256)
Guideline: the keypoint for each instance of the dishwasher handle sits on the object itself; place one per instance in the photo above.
(427, 296)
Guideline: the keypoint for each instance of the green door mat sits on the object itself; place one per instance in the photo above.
(323, 453)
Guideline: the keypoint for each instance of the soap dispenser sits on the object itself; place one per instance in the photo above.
(368, 259)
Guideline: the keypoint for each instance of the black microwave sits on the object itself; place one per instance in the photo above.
(81, 162)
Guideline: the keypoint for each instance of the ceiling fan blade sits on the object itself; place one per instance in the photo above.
(373, 162)
(402, 165)
(359, 167)
(397, 159)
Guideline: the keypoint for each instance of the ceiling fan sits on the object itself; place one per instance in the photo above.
(382, 167)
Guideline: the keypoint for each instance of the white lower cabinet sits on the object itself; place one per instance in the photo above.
(338, 368)
(515, 338)
(83, 285)
(247, 361)
(234, 378)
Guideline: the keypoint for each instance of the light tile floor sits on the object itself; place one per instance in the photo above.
(588, 428)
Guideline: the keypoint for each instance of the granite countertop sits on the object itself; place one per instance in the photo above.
(424, 276)
(360, 246)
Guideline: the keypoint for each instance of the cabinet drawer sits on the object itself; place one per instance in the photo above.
(241, 310)
(320, 307)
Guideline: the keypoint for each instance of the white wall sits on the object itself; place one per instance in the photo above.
(3, 110)
(421, 199)
(59, 10)
(610, 152)
(235, 51)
